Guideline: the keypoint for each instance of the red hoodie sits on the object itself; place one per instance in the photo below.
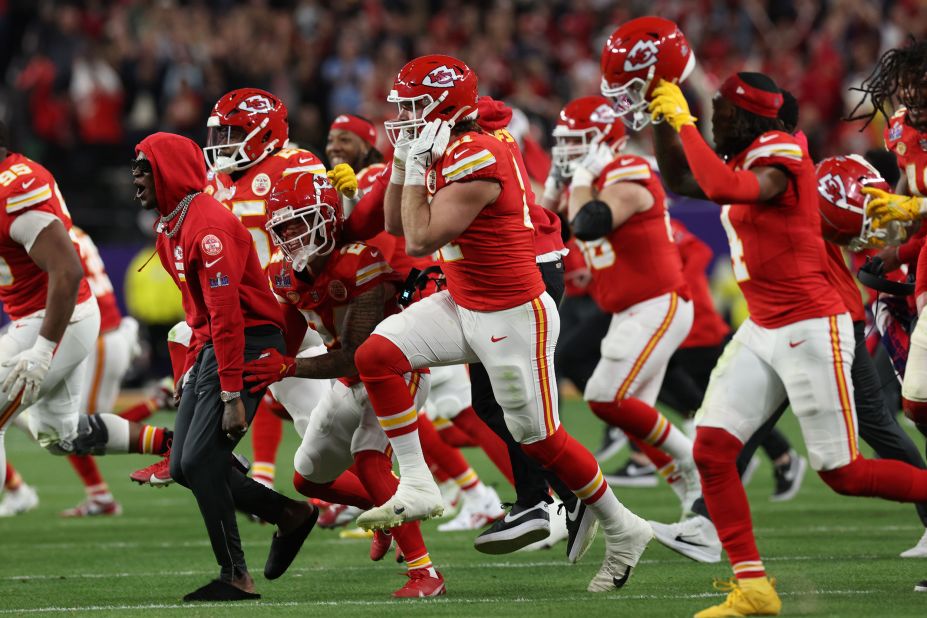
(212, 259)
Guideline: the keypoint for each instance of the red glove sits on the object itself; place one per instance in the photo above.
(271, 366)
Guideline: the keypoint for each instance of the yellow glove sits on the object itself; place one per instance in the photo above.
(669, 104)
(343, 179)
(885, 207)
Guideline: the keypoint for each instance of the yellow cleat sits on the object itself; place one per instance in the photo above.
(355, 533)
(748, 597)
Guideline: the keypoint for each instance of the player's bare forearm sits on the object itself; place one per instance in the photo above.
(54, 253)
(392, 209)
(362, 316)
(579, 196)
(671, 159)
(416, 222)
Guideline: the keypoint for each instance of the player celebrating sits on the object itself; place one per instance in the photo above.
(460, 193)
(343, 291)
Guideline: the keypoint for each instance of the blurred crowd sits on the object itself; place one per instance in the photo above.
(83, 81)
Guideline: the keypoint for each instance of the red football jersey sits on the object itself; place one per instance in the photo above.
(844, 282)
(910, 148)
(637, 260)
(26, 186)
(350, 271)
(777, 251)
(98, 280)
(708, 327)
(491, 265)
(247, 197)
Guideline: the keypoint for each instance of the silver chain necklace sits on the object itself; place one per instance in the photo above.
(180, 213)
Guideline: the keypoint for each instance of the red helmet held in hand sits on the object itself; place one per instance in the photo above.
(842, 203)
(637, 55)
(244, 127)
(304, 217)
(427, 88)
(584, 122)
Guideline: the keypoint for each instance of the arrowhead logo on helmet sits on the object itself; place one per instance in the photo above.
(256, 104)
(641, 56)
(442, 77)
(831, 187)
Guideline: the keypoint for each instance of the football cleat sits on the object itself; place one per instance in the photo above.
(477, 511)
(422, 584)
(621, 556)
(632, 474)
(18, 501)
(382, 541)
(919, 550)
(691, 484)
(694, 538)
(355, 533)
(337, 515)
(789, 478)
(157, 474)
(451, 495)
(91, 507)
(749, 471)
(921, 586)
(558, 532)
(414, 500)
(747, 597)
(520, 527)
(581, 529)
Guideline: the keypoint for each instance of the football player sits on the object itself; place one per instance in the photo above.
(342, 291)
(798, 341)
(460, 192)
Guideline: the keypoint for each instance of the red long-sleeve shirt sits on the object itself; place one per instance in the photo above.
(212, 259)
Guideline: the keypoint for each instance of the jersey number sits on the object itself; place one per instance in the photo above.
(599, 253)
(259, 235)
(450, 252)
(737, 246)
(10, 175)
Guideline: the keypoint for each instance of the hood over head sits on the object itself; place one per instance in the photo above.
(178, 167)
(493, 114)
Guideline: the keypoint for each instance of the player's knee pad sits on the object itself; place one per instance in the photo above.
(380, 357)
(92, 435)
(547, 451)
(915, 410)
(614, 345)
(715, 450)
(853, 479)
(510, 385)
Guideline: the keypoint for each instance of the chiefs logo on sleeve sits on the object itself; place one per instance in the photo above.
(211, 244)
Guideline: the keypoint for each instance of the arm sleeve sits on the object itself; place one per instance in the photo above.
(367, 219)
(720, 183)
(295, 326)
(219, 271)
(26, 227)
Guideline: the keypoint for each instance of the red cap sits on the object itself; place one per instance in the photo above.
(751, 98)
(360, 127)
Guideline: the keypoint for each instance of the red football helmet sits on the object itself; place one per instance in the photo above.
(427, 88)
(843, 204)
(245, 126)
(304, 217)
(584, 122)
(636, 56)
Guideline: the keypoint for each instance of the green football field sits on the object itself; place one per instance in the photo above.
(832, 556)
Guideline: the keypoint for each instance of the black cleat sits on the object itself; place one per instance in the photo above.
(581, 529)
(633, 475)
(520, 527)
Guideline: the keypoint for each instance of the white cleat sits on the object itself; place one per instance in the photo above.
(16, 502)
(691, 485)
(451, 494)
(413, 500)
(919, 550)
(694, 538)
(558, 532)
(621, 556)
(477, 512)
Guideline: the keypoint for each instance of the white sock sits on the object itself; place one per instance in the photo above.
(614, 517)
(408, 450)
(118, 429)
(677, 445)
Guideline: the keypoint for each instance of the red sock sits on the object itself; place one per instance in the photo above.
(376, 471)
(879, 478)
(381, 366)
(715, 455)
(154, 440)
(486, 438)
(452, 435)
(140, 411)
(634, 417)
(450, 459)
(655, 455)
(572, 462)
(266, 435)
(346, 489)
(13, 478)
(89, 473)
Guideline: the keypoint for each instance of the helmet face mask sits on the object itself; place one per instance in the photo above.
(583, 124)
(303, 234)
(413, 113)
(245, 127)
(630, 102)
(225, 148)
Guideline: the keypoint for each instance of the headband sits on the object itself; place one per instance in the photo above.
(358, 126)
(751, 98)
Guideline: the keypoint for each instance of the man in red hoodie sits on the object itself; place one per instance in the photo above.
(233, 316)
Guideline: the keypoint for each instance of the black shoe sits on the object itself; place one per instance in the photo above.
(921, 586)
(789, 477)
(520, 527)
(283, 549)
(218, 590)
(613, 440)
(633, 475)
(581, 529)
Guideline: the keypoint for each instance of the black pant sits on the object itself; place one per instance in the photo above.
(531, 480)
(201, 455)
(878, 426)
(582, 327)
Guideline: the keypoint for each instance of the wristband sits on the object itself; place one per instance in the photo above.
(582, 177)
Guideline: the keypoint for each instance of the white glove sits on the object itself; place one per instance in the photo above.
(553, 186)
(431, 143)
(400, 154)
(592, 165)
(29, 369)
